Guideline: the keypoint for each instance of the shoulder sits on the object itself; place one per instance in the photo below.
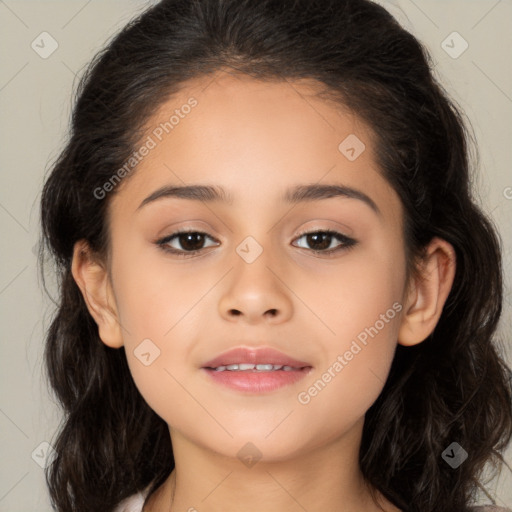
(133, 503)
(490, 508)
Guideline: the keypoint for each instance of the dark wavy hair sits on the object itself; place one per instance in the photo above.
(455, 386)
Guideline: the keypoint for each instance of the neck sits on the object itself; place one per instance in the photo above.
(323, 479)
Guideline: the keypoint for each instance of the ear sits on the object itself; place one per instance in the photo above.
(92, 278)
(427, 293)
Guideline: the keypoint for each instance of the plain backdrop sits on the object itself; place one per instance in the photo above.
(36, 98)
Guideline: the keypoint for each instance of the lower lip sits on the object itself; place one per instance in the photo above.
(257, 381)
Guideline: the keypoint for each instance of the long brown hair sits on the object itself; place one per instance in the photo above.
(452, 387)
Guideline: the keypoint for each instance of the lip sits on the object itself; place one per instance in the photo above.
(253, 381)
(255, 356)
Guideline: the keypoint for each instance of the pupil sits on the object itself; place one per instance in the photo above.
(313, 237)
(190, 237)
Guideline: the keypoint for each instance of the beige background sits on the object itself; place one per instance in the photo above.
(35, 100)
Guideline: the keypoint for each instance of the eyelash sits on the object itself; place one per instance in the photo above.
(347, 242)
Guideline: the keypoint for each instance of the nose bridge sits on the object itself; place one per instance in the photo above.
(255, 288)
(252, 264)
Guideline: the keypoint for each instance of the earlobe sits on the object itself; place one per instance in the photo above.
(427, 293)
(92, 278)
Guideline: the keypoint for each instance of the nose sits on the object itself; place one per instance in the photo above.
(256, 293)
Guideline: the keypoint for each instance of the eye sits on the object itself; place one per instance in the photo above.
(322, 241)
(191, 242)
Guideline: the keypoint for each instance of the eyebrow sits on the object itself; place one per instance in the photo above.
(294, 195)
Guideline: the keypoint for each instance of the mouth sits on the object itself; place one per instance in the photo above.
(259, 359)
(250, 367)
(255, 371)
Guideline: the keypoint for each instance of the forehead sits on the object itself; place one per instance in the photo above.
(243, 134)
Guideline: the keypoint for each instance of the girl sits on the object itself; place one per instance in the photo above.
(277, 291)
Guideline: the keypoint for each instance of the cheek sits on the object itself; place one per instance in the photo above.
(354, 368)
(162, 315)
(354, 373)
(361, 314)
(362, 293)
(154, 295)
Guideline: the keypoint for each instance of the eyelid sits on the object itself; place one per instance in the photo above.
(321, 224)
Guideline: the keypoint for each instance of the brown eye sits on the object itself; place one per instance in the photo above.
(321, 241)
(188, 242)
(191, 241)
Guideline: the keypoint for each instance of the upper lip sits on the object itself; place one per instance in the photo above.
(255, 356)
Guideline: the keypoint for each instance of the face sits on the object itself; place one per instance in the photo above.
(264, 272)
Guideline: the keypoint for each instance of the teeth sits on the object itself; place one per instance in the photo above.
(261, 367)
(258, 367)
(265, 367)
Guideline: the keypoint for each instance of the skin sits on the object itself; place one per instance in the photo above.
(256, 140)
